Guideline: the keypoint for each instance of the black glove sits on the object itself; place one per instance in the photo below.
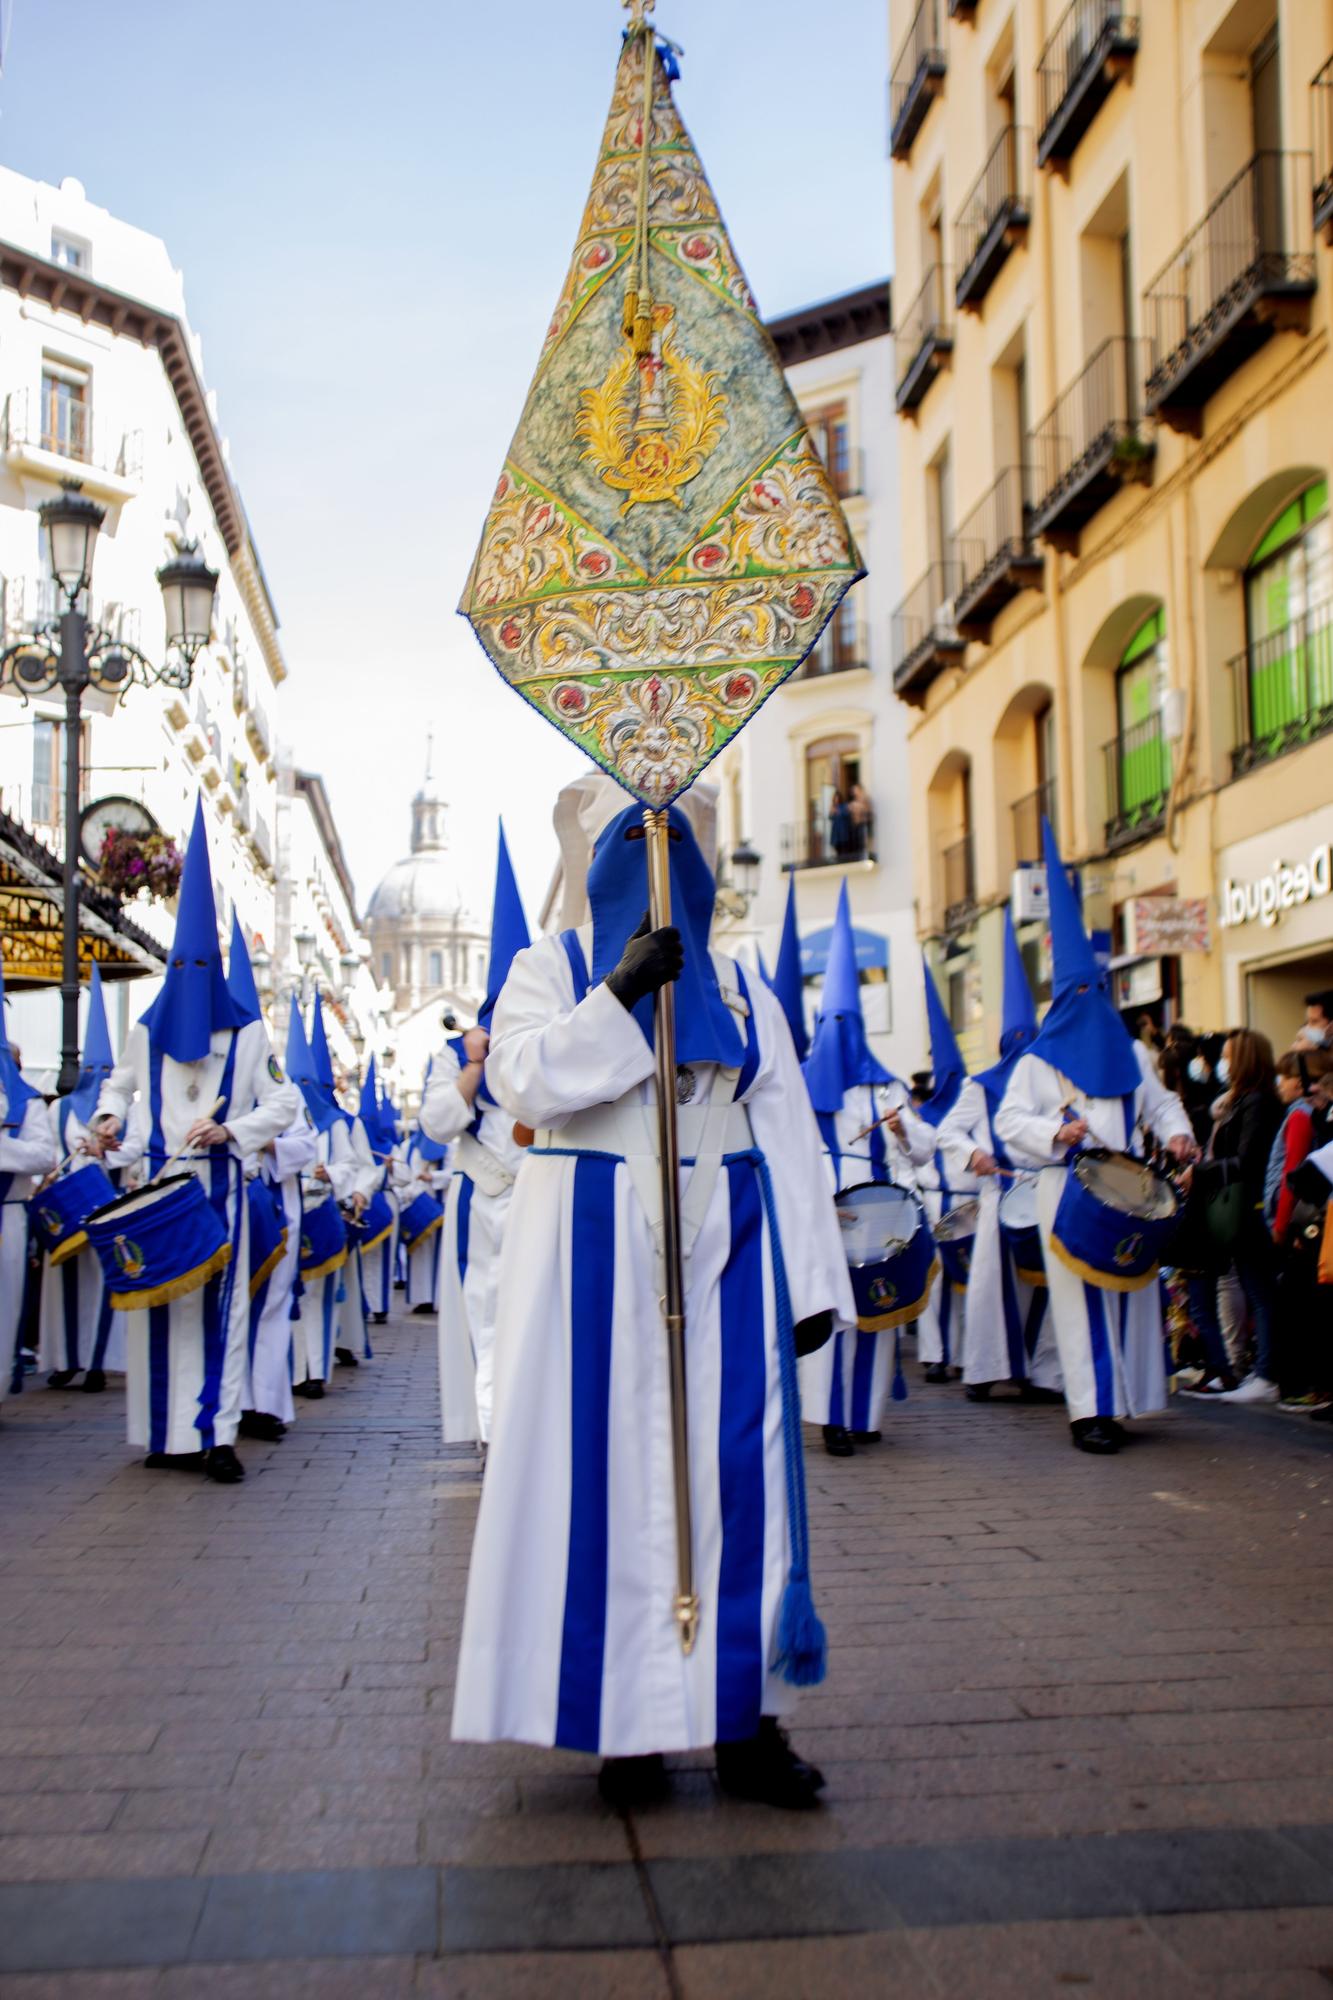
(813, 1333)
(648, 961)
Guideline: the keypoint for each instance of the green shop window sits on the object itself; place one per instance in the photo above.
(1289, 625)
(1142, 756)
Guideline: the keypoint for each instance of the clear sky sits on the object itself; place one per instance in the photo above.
(374, 203)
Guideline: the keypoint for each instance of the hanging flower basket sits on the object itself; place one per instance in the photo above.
(130, 862)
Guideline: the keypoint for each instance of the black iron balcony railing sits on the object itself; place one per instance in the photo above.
(1241, 274)
(843, 647)
(832, 835)
(1091, 443)
(923, 338)
(1321, 119)
(1284, 690)
(994, 218)
(958, 871)
(1027, 814)
(924, 638)
(918, 78)
(1093, 46)
(995, 554)
(1138, 782)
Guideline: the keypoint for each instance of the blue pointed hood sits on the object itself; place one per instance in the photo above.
(764, 972)
(787, 982)
(374, 1112)
(194, 1002)
(98, 1059)
(18, 1094)
(301, 1069)
(1082, 1036)
(946, 1060)
(323, 1104)
(840, 1057)
(240, 972)
(706, 1028)
(509, 930)
(1018, 1023)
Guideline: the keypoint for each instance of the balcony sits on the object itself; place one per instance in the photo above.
(995, 555)
(258, 732)
(844, 648)
(1321, 119)
(958, 870)
(993, 220)
(11, 608)
(832, 837)
(1245, 271)
(1284, 690)
(918, 78)
(52, 442)
(925, 639)
(1138, 782)
(847, 474)
(1093, 47)
(923, 340)
(1027, 814)
(1090, 444)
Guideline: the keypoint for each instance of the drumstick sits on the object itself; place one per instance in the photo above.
(176, 1158)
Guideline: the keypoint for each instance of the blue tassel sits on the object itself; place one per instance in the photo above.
(899, 1390)
(341, 1294)
(802, 1642)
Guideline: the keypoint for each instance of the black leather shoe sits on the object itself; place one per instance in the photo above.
(978, 1392)
(938, 1372)
(378, 1319)
(628, 1782)
(838, 1441)
(259, 1424)
(345, 1358)
(423, 1308)
(766, 1769)
(94, 1382)
(866, 1437)
(175, 1461)
(1117, 1430)
(313, 1389)
(1094, 1434)
(1030, 1393)
(60, 1378)
(223, 1465)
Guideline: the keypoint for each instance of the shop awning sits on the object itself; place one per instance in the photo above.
(31, 924)
(872, 952)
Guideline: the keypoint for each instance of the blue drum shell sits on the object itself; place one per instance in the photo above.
(897, 1290)
(159, 1244)
(323, 1240)
(422, 1214)
(59, 1212)
(268, 1231)
(1105, 1247)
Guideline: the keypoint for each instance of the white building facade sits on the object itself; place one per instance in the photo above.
(817, 783)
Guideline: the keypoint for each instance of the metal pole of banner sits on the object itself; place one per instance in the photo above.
(685, 1608)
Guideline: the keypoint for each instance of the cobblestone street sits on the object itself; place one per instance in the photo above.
(1076, 1727)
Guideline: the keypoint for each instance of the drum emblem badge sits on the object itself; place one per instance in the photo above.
(883, 1293)
(51, 1220)
(129, 1257)
(1128, 1250)
(307, 1247)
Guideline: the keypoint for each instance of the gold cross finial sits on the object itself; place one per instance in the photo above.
(638, 12)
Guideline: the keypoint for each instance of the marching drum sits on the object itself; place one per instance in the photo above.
(323, 1240)
(60, 1211)
(954, 1234)
(1019, 1232)
(422, 1214)
(268, 1232)
(159, 1243)
(1115, 1218)
(890, 1253)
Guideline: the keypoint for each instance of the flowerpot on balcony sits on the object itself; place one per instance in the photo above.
(140, 864)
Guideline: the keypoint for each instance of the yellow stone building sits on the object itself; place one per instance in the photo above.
(1115, 412)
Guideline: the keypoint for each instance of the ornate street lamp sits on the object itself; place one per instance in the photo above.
(70, 652)
(745, 864)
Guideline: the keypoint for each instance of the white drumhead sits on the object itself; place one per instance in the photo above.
(959, 1221)
(1018, 1204)
(877, 1222)
(1127, 1185)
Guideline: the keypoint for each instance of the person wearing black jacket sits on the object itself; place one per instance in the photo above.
(1242, 1140)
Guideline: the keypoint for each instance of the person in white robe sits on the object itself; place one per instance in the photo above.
(213, 1092)
(429, 1170)
(857, 1105)
(1009, 1336)
(357, 1174)
(27, 1155)
(570, 1636)
(377, 1261)
(328, 1178)
(1080, 1085)
(79, 1332)
(942, 1327)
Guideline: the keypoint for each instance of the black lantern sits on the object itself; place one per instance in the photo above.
(188, 589)
(745, 865)
(70, 524)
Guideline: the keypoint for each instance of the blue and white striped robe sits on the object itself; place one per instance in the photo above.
(26, 1157)
(78, 1328)
(568, 1633)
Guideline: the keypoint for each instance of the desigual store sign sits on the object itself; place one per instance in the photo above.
(1287, 885)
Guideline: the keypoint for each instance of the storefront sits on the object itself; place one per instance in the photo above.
(1275, 924)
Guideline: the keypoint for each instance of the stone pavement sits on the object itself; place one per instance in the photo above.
(1076, 1727)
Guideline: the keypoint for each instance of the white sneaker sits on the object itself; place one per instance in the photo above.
(1254, 1389)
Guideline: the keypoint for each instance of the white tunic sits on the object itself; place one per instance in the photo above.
(313, 1349)
(1110, 1342)
(273, 1357)
(362, 1179)
(26, 1157)
(184, 1388)
(485, 1163)
(76, 1333)
(568, 1633)
(423, 1261)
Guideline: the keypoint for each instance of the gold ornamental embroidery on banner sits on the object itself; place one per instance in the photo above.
(652, 423)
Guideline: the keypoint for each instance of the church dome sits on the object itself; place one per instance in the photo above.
(423, 884)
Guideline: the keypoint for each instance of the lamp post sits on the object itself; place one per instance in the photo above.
(745, 865)
(72, 653)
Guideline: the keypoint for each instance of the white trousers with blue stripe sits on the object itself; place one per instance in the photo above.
(1110, 1343)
